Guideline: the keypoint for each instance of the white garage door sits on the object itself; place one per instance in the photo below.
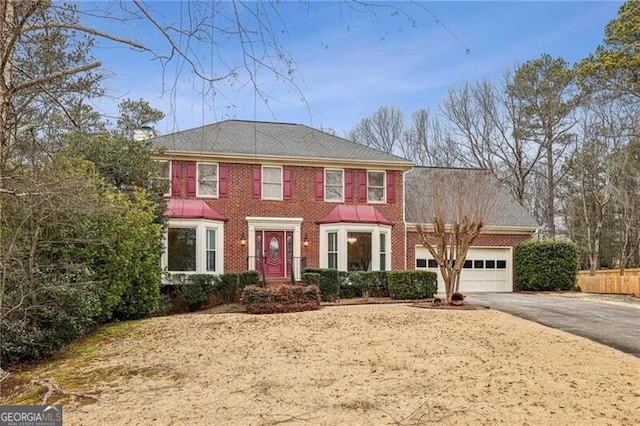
(485, 269)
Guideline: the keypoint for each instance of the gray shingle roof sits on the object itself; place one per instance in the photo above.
(420, 189)
(254, 138)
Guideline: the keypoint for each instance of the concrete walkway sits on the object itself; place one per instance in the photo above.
(611, 320)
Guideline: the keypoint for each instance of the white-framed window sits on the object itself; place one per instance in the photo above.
(332, 250)
(211, 260)
(376, 185)
(334, 185)
(383, 251)
(163, 176)
(207, 180)
(271, 182)
(193, 246)
(355, 246)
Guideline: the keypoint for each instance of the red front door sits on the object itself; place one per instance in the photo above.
(270, 244)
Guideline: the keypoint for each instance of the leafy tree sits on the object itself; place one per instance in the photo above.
(545, 90)
(135, 115)
(615, 65)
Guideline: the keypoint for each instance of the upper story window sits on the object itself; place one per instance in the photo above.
(272, 183)
(376, 186)
(207, 180)
(334, 185)
(163, 176)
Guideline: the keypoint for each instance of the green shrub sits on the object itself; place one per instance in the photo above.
(412, 284)
(248, 278)
(329, 283)
(260, 300)
(376, 283)
(194, 290)
(311, 278)
(545, 265)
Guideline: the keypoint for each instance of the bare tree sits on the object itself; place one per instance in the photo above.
(459, 203)
(383, 130)
(488, 122)
(428, 143)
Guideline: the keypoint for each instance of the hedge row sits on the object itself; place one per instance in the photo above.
(336, 284)
(260, 300)
(546, 265)
(193, 290)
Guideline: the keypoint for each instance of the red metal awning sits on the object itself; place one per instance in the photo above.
(191, 209)
(355, 214)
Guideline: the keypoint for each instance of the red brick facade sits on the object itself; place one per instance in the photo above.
(237, 202)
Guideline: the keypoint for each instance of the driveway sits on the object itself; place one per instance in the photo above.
(611, 320)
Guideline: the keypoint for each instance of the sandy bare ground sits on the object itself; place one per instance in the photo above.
(355, 365)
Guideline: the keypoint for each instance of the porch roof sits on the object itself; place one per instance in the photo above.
(355, 214)
(192, 209)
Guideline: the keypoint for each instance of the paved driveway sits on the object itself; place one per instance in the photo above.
(611, 321)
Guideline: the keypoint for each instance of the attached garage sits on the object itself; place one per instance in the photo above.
(486, 269)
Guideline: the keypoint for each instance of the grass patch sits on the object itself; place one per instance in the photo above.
(67, 378)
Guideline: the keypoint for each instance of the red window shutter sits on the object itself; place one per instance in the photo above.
(391, 186)
(176, 178)
(223, 181)
(320, 185)
(257, 181)
(286, 172)
(348, 185)
(191, 178)
(362, 185)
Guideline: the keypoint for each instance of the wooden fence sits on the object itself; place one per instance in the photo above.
(611, 282)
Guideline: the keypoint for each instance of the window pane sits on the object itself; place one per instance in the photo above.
(490, 264)
(332, 250)
(376, 194)
(208, 179)
(272, 174)
(376, 179)
(163, 177)
(270, 190)
(334, 177)
(333, 185)
(501, 264)
(181, 249)
(272, 183)
(478, 264)
(334, 193)
(421, 263)
(211, 250)
(333, 241)
(432, 263)
(468, 264)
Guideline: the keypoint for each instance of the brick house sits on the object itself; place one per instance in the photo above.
(277, 197)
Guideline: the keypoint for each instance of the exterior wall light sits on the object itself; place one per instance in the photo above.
(305, 242)
(243, 240)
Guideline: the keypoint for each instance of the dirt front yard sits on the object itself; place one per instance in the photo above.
(354, 365)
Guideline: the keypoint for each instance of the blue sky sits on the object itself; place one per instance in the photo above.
(351, 59)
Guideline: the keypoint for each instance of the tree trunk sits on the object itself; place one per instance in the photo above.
(551, 217)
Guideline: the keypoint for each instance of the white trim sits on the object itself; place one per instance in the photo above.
(262, 182)
(201, 226)
(329, 169)
(343, 230)
(490, 229)
(384, 187)
(198, 194)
